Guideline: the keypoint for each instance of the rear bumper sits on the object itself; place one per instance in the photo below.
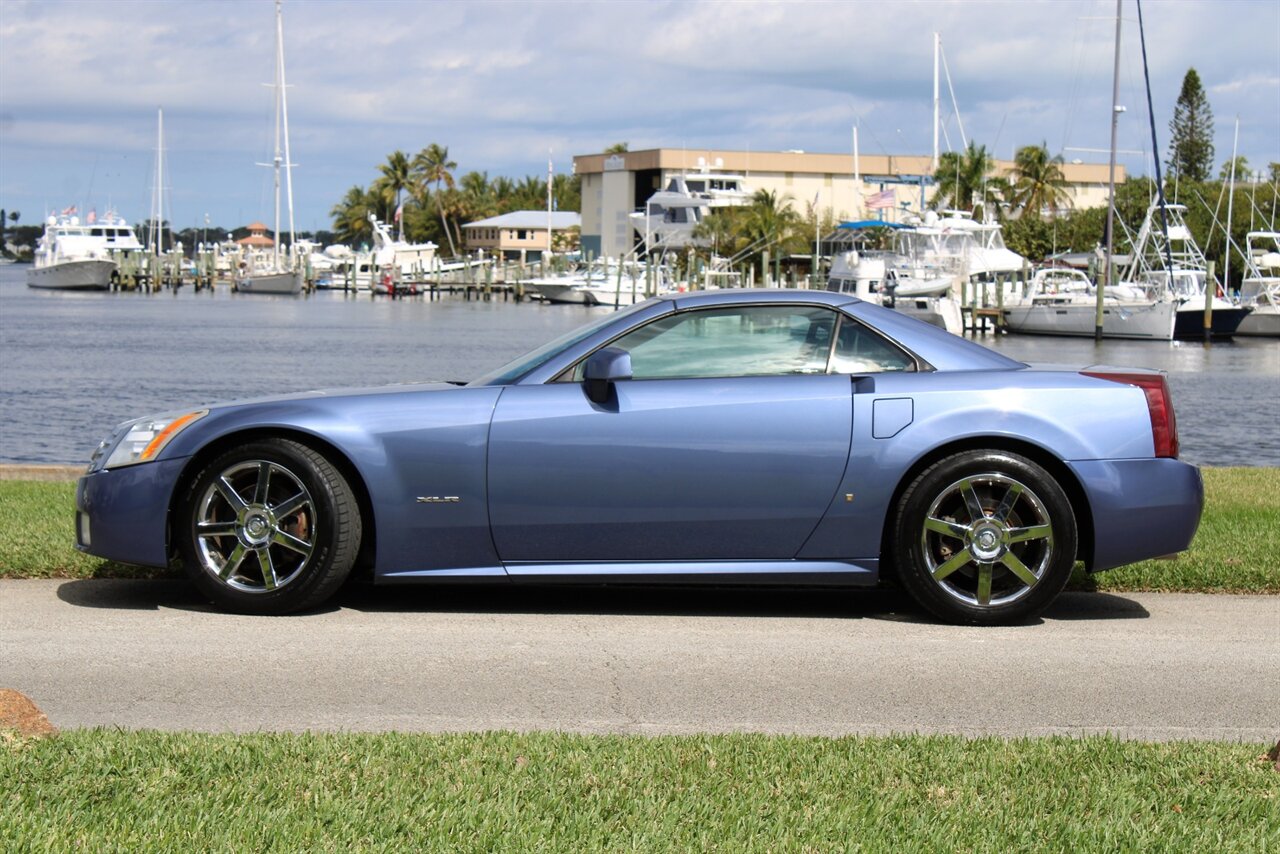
(123, 514)
(1141, 509)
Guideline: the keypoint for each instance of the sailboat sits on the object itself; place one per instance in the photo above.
(279, 276)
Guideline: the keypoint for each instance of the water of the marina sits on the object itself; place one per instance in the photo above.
(73, 365)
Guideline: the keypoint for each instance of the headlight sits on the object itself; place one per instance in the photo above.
(146, 437)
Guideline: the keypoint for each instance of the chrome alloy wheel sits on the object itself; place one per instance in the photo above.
(987, 540)
(254, 527)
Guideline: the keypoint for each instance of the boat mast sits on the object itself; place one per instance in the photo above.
(284, 117)
(1155, 151)
(1231, 197)
(275, 158)
(157, 192)
(937, 49)
(1116, 110)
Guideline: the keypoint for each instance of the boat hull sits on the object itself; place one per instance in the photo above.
(271, 283)
(1262, 322)
(1190, 321)
(569, 294)
(89, 275)
(1142, 321)
(942, 312)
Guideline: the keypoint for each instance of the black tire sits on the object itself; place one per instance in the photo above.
(984, 538)
(270, 527)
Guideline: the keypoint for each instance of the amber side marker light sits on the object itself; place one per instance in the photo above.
(162, 438)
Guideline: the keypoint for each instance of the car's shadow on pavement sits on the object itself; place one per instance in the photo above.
(879, 604)
(133, 594)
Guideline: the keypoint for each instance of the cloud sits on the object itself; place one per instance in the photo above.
(500, 82)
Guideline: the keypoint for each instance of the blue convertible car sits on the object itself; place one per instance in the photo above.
(729, 437)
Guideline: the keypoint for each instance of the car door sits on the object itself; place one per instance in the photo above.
(727, 444)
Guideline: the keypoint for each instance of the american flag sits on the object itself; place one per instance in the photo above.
(881, 200)
(92, 217)
(399, 212)
(69, 211)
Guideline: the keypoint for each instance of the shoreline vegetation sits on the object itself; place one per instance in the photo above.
(1234, 550)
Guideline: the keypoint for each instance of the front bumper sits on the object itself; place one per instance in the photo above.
(1141, 509)
(123, 514)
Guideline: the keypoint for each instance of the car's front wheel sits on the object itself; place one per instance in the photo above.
(270, 527)
(985, 537)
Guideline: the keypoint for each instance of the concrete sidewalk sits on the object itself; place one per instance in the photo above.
(150, 654)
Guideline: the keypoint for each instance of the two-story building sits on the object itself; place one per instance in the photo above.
(614, 186)
(519, 234)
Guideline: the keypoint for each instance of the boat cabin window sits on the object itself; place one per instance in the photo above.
(697, 186)
(96, 232)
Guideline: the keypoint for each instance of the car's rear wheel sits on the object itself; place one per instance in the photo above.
(985, 537)
(269, 527)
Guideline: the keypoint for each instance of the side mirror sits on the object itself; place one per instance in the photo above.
(603, 368)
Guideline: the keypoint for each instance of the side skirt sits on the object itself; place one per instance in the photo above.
(819, 573)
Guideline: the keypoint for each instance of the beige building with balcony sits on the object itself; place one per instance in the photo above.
(519, 234)
(616, 185)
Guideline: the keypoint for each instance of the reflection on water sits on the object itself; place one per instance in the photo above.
(74, 365)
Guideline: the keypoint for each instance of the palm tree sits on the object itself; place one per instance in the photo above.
(1038, 181)
(397, 176)
(770, 223)
(961, 176)
(504, 191)
(478, 201)
(720, 232)
(432, 165)
(531, 193)
(351, 215)
(567, 192)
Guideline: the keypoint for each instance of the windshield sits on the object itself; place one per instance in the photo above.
(514, 370)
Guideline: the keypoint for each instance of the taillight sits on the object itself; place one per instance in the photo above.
(1164, 426)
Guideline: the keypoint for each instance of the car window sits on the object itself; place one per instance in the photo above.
(861, 351)
(731, 342)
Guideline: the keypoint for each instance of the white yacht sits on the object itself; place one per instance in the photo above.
(1061, 301)
(989, 260)
(602, 282)
(873, 276)
(1260, 289)
(398, 256)
(1165, 240)
(670, 215)
(80, 256)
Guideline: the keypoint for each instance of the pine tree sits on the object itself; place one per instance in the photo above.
(1191, 143)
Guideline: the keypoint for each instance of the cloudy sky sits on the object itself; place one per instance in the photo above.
(501, 83)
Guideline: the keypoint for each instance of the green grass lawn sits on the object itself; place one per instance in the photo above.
(104, 790)
(1235, 550)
